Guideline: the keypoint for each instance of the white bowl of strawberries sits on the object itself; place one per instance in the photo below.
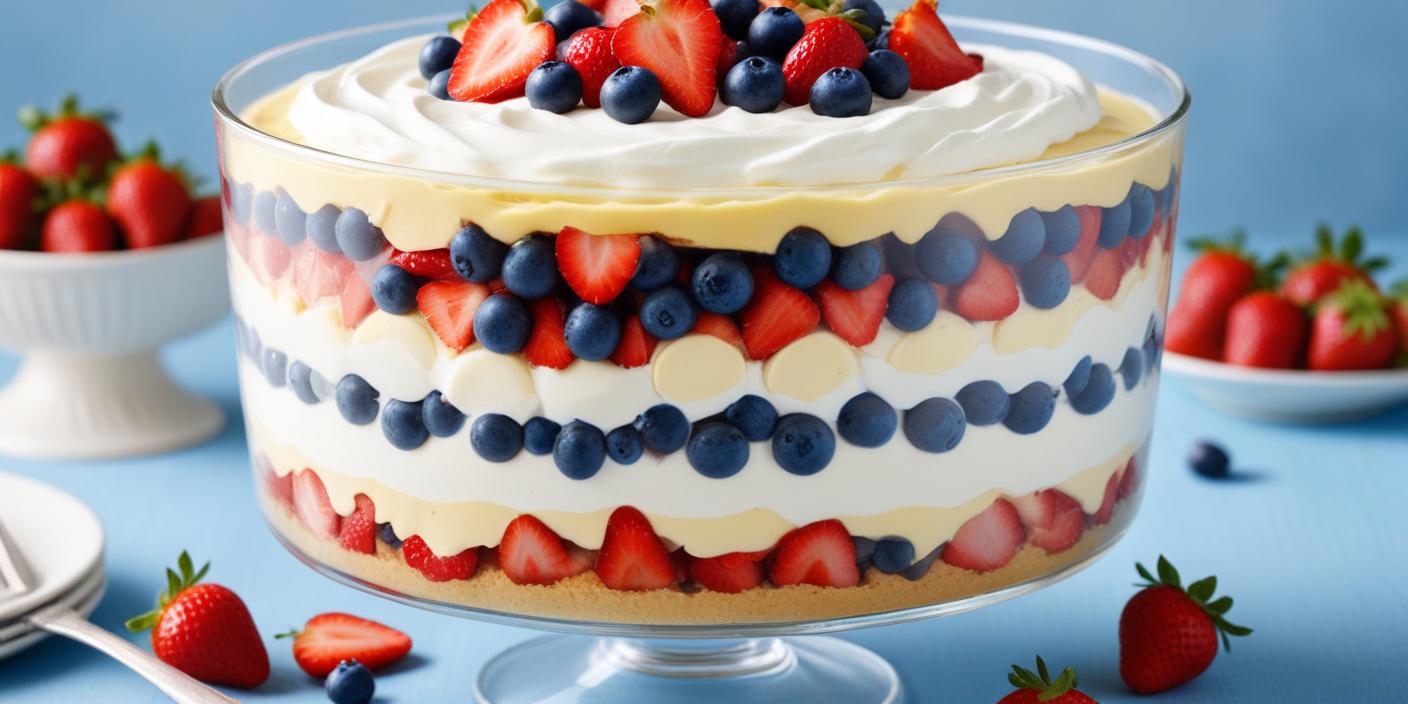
(1309, 339)
(102, 261)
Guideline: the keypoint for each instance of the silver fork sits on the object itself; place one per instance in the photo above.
(16, 580)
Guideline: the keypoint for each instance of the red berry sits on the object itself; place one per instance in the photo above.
(597, 267)
(1169, 634)
(316, 274)
(313, 507)
(205, 218)
(1079, 258)
(449, 307)
(820, 553)
(459, 566)
(636, 345)
(502, 45)
(149, 202)
(328, 639)
(356, 300)
(988, 540)
(718, 325)
(990, 293)
(77, 226)
(1352, 330)
(679, 41)
(828, 43)
(426, 263)
(776, 316)
(530, 553)
(1332, 263)
(1038, 687)
(18, 192)
(1216, 280)
(855, 316)
(547, 347)
(934, 59)
(614, 12)
(1105, 274)
(632, 557)
(1053, 520)
(1265, 330)
(730, 573)
(358, 531)
(589, 51)
(70, 144)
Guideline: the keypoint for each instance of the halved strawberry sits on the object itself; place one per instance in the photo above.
(597, 267)
(728, 56)
(1107, 502)
(328, 639)
(777, 315)
(679, 41)
(1079, 258)
(632, 557)
(820, 553)
(428, 263)
(1103, 277)
(435, 568)
(636, 345)
(828, 43)
(280, 488)
(318, 274)
(718, 325)
(589, 51)
(356, 298)
(1134, 250)
(614, 12)
(855, 316)
(449, 307)
(530, 553)
(988, 540)
(1054, 521)
(269, 258)
(990, 293)
(547, 347)
(313, 507)
(730, 573)
(502, 45)
(1129, 480)
(358, 532)
(934, 58)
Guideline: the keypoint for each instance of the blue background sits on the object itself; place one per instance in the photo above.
(1298, 116)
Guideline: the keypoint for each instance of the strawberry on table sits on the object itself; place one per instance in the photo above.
(205, 218)
(1265, 330)
(449, 307)
(589, 51)
(827, 43)
(19, 191)
(820, 553)
(328, 639)
(1038, 687)
(1352, 330)
(1319, 274)
(597, 267)
(530, 553)
(776, 316)
(77, 225)
(990, 293)
(679, 41)
(855, 316)
(934, 58)
(149, 201)
(1220, 276)
(502, 45)
(68, 144)
(1168, 633)
(632, 558)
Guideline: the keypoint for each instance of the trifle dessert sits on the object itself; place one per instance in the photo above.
(671, 313)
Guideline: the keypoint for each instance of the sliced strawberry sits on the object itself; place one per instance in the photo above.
(598, 5)
(990, 293)
(313, 507)
(934, 58)
(318, 274)
(589, 51)
(428, 263)
(730, 574)
(358, 532)
(1054, 521)
(777, 315)
(614, 12)
(1079, 258)
(636, 345)
(855, 316)
(502, 45)
(1107, 503)
(1129, 480)
(597, 267)
(828, 43)
(356, 298)
(988, 540)
(328, 639)
(632, 557)
(449, 307)
(820, 553)
(720, 326)
(435, 568)
(269, 258)
(530, 553)
(280, 488)
(1135, 250)
(679, 41)
(547, 347)
(1103, 278)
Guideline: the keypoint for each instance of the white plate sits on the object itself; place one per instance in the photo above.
(84, 600)
(60, 537)
(1288, 395)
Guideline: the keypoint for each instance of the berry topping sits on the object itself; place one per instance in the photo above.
(988, 540)
(597, 267)
(435, 568)
(819, 553)
(328, 639)
(855, 316)
(589, 51)
(438, 55)
(803, 444)
(841, 92)
(547, 347)
(679, 41)
(530, 553)
(755, 84)
(636, 345)
(502, 45)
(632, 558)
(773, 32)
(826, 44)
(554, 86)
(630, 94)
(887, 72)
(1169, 633)
(934, 59)
(777, 316)
(989, 294)
(450, 308)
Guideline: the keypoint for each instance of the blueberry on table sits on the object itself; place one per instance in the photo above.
(887, 72)
(935, 425)
(1031, 408)
(350, 683)
(663, 428)
(322, 228)
(803, 444)
(803, 258)
(1023, 240)
(984, 402)
(1045, 281)
(1062, 230)
(754, 416)
(630, 94)
(592, 332)
(539, 435)
(476, 255)
(722, 283)
(841, 92)
(667, 313)
(569, 16)
(357, 400)
(403, 424)
(502, 324)
(755, 84)
(580, 450)
(530, 267)
(394, 289)
(913, 304)
(438, 55)
(946, 257)
(624, 445)
(735, 16)
(1208, 459)
(658, 265)
(857, 266)
(773, 32)
(290, 220)
(441, 417)
(358, 238)
(554, 85)
(439, 85)
(495, 437)
(867, 421)
(717, 450)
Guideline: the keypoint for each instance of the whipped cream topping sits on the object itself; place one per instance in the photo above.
(377, 109)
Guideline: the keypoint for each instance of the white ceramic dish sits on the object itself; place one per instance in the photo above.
(89, 327)
(1288, 396)
(59, 536)
(83, 599)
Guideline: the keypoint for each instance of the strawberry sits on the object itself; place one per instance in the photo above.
(730, 573)
(777, 315)
(632, 557)
(1107, 502)
(1053, 520)
(449, 307)
(358, 531)
(149, 202)
(636, 345)
(720, 326)
(280, 489)
(1168, 634)
(1129, 478)
(328, 639)
(1078, 260)
(356, 300)
(269, 257)
(729, 55)
(1216, 280)
(988, 540)
(828, 43)
(427, 263)
(1265, 330)
(589, 51)
(1319, 274)
(69, 144)
(318, 274)
(204, 630)
(313, 507)
(1352, 330)
(820, 553)
(934, 59)
(1399, 308)
(418, 555)
(597, 267)
(614, 12)
(1105, 273)
(18, 192)
(679, 41)
(502, 45)
(547, 347)
(855, 316)
(77, 226)
(1037, 687)
(530, 553)
(205, 218)
(990, 293)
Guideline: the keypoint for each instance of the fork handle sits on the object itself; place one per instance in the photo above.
(181, 687)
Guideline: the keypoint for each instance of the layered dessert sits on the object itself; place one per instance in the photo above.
(514, 338)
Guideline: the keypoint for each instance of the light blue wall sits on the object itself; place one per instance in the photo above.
(1300, 108)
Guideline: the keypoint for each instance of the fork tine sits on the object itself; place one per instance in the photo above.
(15, 575)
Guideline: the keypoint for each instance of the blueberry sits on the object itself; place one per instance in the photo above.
(350, 683)
(917, 570)
(1131, 367)
(857, 266)
(403, 424)
(803, 444)
(357, 400)
(1153, 348)
(754, 84)
(753, 416)
(874, 14)
(893, 555)
(1080, 376)
(773, 32)
(1031, 409)
(630, 94)
(667, 313)
(735, 16)
(841, 92)
(802, 258)
(322, 228)
(358, 238)
(265, 203)
(440, 416)
(722, 283)
(394, 289)
(1025, 237)
(1062, 230)
(555, 86)
(388, 536)
(439, 85)
(569, 16)
(717, 450)
(495, 437)
(935, 425)
(663, 428)
(275, 367)
(300, 379)
(1046, 281)
(624, 445)
(502, 324)
(539, 435)
(659, 264)
(290, 220)
(984, 402)
(1209, 460)
(529, 267)
(592, 332)
(476, 255)
(913, 304)
(946, 257)
(580, 450)
(867, 421)
(1141, 210)
(241, 202)
(881, 41)
(1114, 225)
(438, 55)
(887, 72)
(1098, 391)
(865, 550)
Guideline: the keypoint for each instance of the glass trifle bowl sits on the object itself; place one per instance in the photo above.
(836, 395)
